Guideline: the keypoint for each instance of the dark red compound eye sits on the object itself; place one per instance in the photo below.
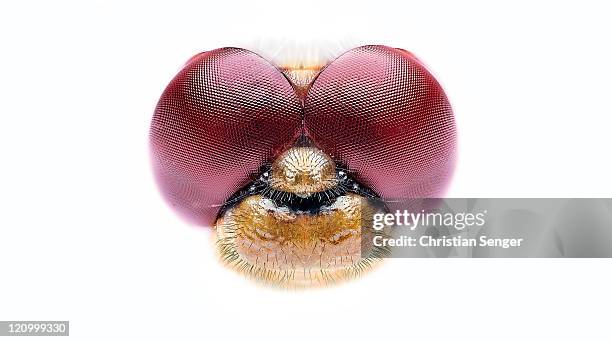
(225, 114)
(384, 115)
(375, 109)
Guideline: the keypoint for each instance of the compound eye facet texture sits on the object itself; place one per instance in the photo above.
(226, 113)
(380, 111)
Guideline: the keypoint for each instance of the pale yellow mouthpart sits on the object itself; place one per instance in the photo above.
(279, 247)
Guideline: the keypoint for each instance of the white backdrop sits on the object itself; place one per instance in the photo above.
(86, 237)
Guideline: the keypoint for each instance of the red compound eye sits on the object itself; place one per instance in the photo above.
(381, 112)
(375, 108)
(225, 114)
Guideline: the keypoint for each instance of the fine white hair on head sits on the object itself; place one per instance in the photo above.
(287, 52)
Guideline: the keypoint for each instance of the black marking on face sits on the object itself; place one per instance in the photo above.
(311, 204)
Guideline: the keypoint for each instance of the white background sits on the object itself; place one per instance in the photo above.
(86, 237)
